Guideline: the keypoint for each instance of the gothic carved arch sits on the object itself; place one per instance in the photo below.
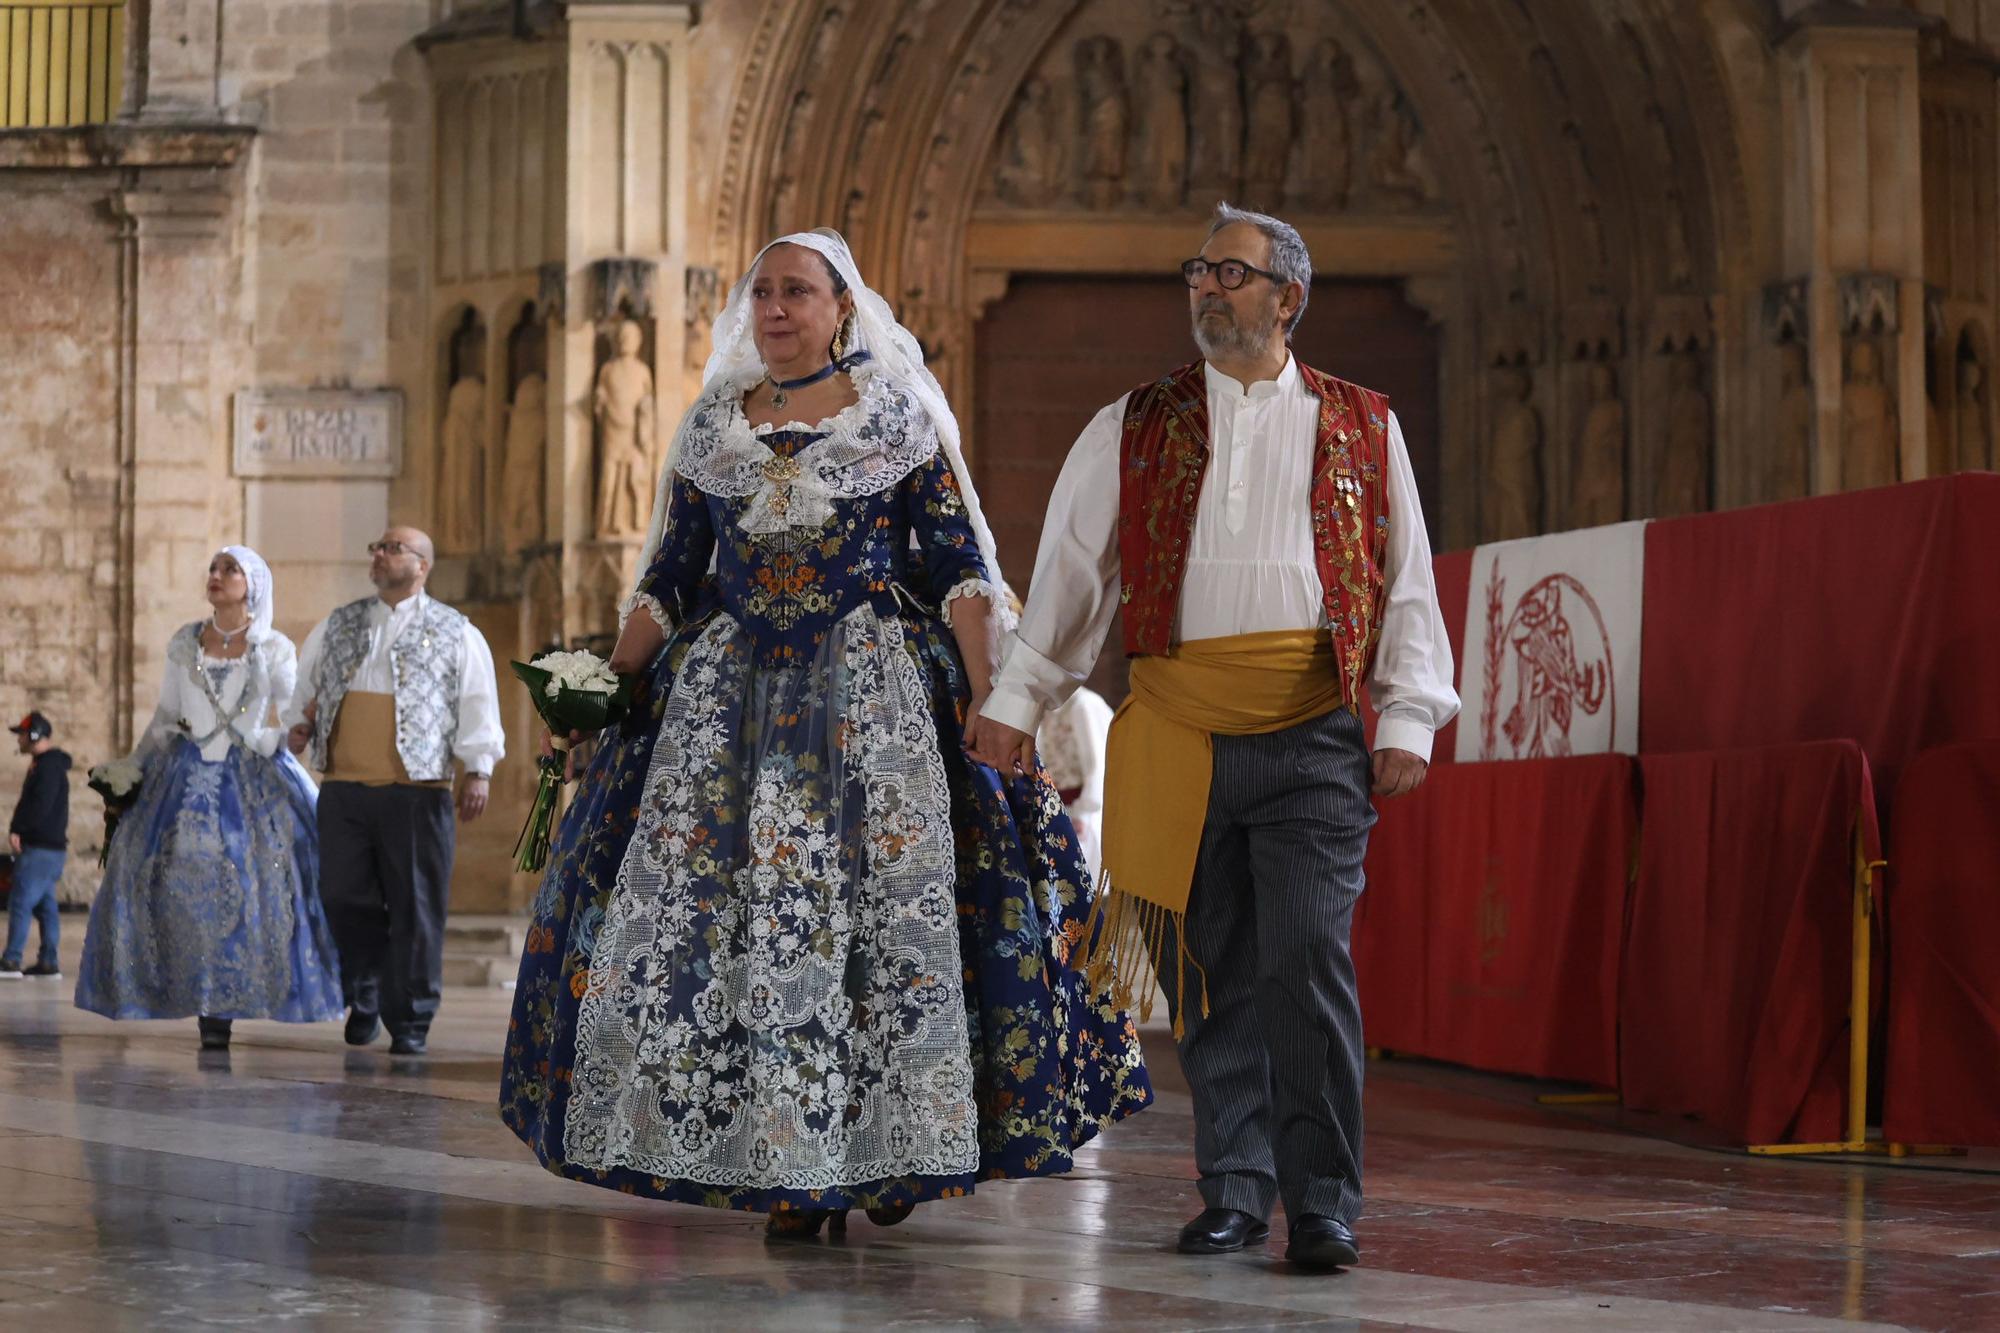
(1590, 164)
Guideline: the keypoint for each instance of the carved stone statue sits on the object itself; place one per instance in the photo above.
(1683, 485)
(1975, 432)
(1393, 174)
(1031, 155)
(1269, 99)
(1597, 477)
(1790, 475)
(1106, 118)
(624, 410)
(1160, 91)
(462, 444)
(1868, 443)
(1511, 500)
(1326, 145)
(522, 463)
(1215, 110)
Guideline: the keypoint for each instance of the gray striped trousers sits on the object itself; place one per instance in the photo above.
(1275, 1063)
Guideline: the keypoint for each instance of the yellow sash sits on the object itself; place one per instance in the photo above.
(1158, 765)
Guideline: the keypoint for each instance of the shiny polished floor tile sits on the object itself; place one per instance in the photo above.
(295, 1183)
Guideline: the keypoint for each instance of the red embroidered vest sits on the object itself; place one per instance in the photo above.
(1163, 456)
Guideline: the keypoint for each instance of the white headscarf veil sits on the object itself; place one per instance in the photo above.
(893, 350)
(257, 575)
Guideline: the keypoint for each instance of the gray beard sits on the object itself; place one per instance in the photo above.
(1232, 341)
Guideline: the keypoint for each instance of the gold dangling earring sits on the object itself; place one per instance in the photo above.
(841, 337)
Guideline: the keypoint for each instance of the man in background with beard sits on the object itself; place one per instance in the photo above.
(1257, 522)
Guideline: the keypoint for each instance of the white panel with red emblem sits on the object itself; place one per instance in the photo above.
(1551, 661)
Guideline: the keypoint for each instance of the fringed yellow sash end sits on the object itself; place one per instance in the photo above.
(1124, 939)
(1158, 765)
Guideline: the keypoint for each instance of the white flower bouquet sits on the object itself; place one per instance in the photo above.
(571, 692)
(118, 782)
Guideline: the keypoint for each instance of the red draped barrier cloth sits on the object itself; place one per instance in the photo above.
(1737, 977)
(1489, 932)
(1942, 1081)
(1870, 615)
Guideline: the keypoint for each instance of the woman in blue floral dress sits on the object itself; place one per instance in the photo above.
(795, 951)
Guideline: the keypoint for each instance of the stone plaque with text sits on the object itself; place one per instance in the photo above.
(350, 433)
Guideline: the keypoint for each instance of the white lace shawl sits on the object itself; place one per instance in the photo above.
(865, 448)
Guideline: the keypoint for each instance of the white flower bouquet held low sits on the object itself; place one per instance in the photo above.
(571, 691)
(118, 782)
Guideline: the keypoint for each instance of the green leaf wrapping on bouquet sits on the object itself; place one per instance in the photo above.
(568, 711)
(573, 710)
(111, 813)
(531, 849)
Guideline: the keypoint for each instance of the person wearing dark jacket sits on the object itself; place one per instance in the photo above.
(39, 837)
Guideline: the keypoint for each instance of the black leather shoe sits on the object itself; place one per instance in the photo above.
(1322, 1243)
(1222, 1231)
(408, 1043)
(362, 1027)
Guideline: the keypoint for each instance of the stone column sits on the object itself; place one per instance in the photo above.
(624, 245)
(559, 177)
(1854, 214)
(179, 346)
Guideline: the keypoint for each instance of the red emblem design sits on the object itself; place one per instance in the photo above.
(1559, 670)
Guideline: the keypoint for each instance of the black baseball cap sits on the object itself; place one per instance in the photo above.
(34, 726)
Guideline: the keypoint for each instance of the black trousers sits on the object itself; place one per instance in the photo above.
(1275, 1063)
(385, 874)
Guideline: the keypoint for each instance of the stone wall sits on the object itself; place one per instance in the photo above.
(335, 226)
(150, 283)
(59, 629)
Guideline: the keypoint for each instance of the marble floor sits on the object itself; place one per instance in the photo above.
(295, 1183)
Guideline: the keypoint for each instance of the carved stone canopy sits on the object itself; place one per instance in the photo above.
(1682, 324)
(1517, 337)
(621, 286)
(1785, 314)
(1594, 331)
(552, 290)
(1868, 303)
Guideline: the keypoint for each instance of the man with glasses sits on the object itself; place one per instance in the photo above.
(391, 690)
(1256, 521)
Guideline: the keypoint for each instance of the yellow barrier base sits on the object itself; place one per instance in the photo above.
(1819, 1149)
(1872, 1148)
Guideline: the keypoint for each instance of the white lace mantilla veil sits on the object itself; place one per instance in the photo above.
(257, 575)
(894, 353)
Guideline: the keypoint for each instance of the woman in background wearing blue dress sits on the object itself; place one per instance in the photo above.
(210, 904)
(795, 952)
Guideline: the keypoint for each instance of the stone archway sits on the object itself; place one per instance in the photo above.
(1585, 197)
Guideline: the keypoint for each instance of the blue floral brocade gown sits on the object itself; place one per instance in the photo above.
(210, 902)
(794, 948)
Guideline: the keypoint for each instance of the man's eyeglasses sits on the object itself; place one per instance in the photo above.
(1231, 273)
(390, 548)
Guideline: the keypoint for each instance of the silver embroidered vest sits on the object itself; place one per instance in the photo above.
(425, 661)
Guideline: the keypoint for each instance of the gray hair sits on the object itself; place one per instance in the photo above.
(1289, 259)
